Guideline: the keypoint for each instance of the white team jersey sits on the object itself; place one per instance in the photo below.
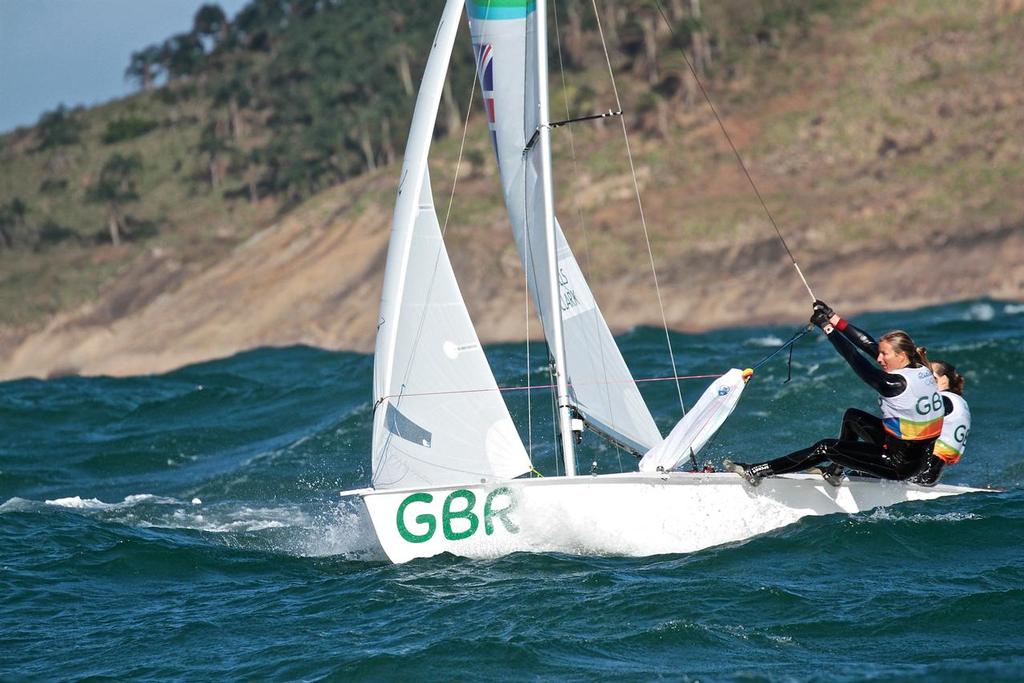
(916, 413)
(955, 428)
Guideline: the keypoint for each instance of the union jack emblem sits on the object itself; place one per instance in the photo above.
(485, 68)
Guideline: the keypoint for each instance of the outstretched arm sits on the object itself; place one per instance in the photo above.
(847, 340)
(876, 378)
(861, 339)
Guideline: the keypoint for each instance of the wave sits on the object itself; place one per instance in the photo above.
(768, 340)
(338, 529)
(881, 515)
(80, 503)
(980, 312)
(17, 504)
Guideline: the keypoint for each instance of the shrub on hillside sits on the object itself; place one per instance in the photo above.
(52, 233)
(128, 128)
(59, 127)
(53, 185)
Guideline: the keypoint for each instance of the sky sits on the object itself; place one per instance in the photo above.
(75, 52)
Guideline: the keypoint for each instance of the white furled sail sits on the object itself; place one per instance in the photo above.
(693, 431)
(439, 418)
(504, 34)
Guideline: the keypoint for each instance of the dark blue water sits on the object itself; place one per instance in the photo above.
(188, 526)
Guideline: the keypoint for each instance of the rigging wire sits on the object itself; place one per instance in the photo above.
(526, 301)
(788, 344)
(643, 219)
(458, 163)
(550, 385)
(529, 368)
(575, 201)
(750, 179)
(554, 420)
(527, 259)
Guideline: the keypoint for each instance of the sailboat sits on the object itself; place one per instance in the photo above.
(448, 463)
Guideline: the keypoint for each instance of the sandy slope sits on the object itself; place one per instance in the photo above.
(315, 279)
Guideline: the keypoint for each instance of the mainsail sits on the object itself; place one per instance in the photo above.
(439, 418)
(602, 389)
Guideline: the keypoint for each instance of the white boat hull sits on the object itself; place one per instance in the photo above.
(632, 514)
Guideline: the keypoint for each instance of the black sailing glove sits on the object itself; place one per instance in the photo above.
(820, 305)
(821, 319)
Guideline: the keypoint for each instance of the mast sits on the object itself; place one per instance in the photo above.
(544, 149)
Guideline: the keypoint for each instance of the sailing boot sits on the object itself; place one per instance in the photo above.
(744, 471)
(833, 474)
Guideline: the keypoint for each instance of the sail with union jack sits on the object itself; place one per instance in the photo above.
(504, 36)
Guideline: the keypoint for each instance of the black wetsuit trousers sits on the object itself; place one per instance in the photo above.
(878, 453)
(858, 425)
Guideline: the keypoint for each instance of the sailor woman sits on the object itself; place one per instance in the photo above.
(956, 424)
(895, 446)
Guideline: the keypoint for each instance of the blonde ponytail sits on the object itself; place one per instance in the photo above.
(901, 341)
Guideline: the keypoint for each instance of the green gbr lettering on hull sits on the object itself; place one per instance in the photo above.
(448, 514)
(428, 520)
(500, 9)
(458, 505)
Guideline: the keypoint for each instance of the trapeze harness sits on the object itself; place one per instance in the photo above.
(893, 447)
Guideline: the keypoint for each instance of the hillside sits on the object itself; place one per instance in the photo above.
(884, 138)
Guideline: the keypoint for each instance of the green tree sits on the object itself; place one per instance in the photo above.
(115, 187)
(144, 66)
(58, 128)
(341, 90)
(182, 56)
(211, 22)
(258, 22)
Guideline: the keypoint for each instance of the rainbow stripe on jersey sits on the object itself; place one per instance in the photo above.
(948, 454)
(911, 430)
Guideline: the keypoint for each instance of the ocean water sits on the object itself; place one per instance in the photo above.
(188, 526)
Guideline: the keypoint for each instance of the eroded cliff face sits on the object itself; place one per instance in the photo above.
(315, 278)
